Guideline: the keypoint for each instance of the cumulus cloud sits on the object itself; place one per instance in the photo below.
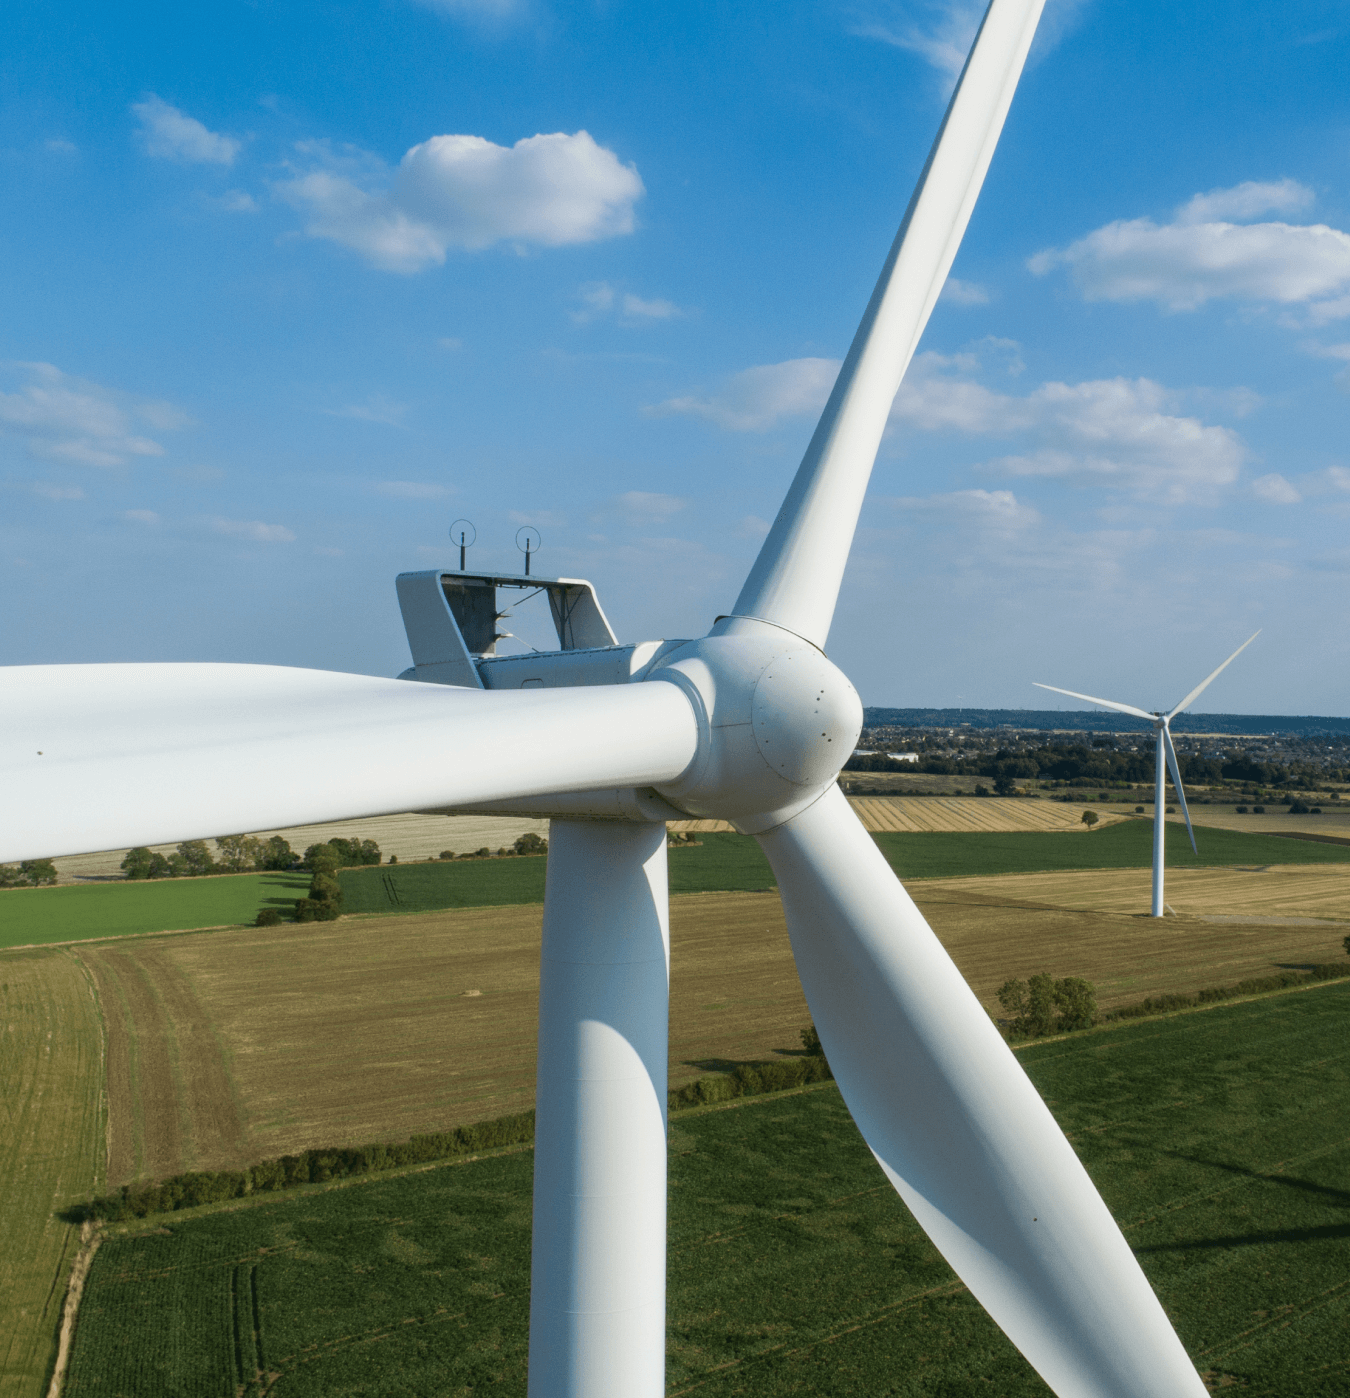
(254, 530)
(1275, 489)
(169, 134)
(464, 192)
(758, 399)
(1201, 256)
(1128, 434)
(68, 419)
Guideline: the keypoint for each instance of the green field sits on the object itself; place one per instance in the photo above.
(1217, 1138)
(74, 912)
(721, 863)
(51, 1149)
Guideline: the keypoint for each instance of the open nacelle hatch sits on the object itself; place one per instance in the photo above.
(451, 620)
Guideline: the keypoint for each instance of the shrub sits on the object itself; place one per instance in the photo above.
(1171, 810)
(136, 864)
(530, 843)
(1044, 1005)
(1298, 807)
(446, 854)
(277, 854)
(981, 789)
(268, 917)
(322, 859)
(196, 858)
(1139, 810)
(1242, 810)
(1258, 810)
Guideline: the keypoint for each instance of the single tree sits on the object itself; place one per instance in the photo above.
(136, 864)
(1089, 819)
(530, 843)
(196, 857)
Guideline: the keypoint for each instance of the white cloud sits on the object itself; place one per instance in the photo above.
(601, 299)
(69, 419)
(1275, 489)
(1341, 352)
(170, 134)
(1246, 201)
(449, 342)
(752, 527)
(233, 201)
(999, 511)
(465, 192)
(961, 293)
(377, 408)
(59, 147)
(254, 530)
(1196, 258)
(49, 491)
(141, 516)
(942, 31)
(412, 490)
(491, 11)
(649, 507)
(758, 399)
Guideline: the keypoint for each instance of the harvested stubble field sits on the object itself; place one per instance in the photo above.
(234, 1046)
(1217, 1138)
(51, 1149)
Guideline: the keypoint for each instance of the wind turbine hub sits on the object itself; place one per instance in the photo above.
(777, 722)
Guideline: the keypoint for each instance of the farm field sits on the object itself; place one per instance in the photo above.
(51, 1150)
(238, 1045)
(35, 916)
(1217, 1139)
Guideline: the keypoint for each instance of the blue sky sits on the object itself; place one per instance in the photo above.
(289, 288)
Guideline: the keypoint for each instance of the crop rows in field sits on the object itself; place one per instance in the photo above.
(1217, 1139)
(51, 1149)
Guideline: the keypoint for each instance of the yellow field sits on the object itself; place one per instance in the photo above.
(51, 1149)
(953, 813)
(237, 1045)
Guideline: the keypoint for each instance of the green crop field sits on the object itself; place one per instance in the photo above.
(51, 1149)
(1217, 1138)
(74, 912)
(734, 863)
(722, 863)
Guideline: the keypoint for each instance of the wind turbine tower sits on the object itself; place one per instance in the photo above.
(1167, 754)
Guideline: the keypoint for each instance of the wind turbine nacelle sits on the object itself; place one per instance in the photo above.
(777, 720)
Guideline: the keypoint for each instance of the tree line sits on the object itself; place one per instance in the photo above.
(242, 854)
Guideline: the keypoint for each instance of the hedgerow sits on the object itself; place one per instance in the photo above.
(321, 1166)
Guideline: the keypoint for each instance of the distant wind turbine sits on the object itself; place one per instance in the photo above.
(1163, 724)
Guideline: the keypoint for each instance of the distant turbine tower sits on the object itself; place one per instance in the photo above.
(1161, 722)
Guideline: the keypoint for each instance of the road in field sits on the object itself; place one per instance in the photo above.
(51, 1149)
(240, 1045)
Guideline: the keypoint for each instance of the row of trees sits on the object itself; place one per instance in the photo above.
(32, 873)
(241, 854)
(1079, 762)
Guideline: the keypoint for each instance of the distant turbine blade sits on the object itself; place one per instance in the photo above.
(1200, 688)
(96, 757)
(1176, 782)
(1105, 703)
(957, 1126)
(795, 580)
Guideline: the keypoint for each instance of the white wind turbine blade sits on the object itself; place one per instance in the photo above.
(1204, 684)
(795, 580)
(1176, 782)
(1105, 703)
(101, 756)
(957, 1126)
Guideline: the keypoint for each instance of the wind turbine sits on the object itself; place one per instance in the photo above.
(751, 723)
(1163, 762)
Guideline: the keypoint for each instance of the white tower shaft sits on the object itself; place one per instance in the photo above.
(598, 1274)
(1159, 823)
